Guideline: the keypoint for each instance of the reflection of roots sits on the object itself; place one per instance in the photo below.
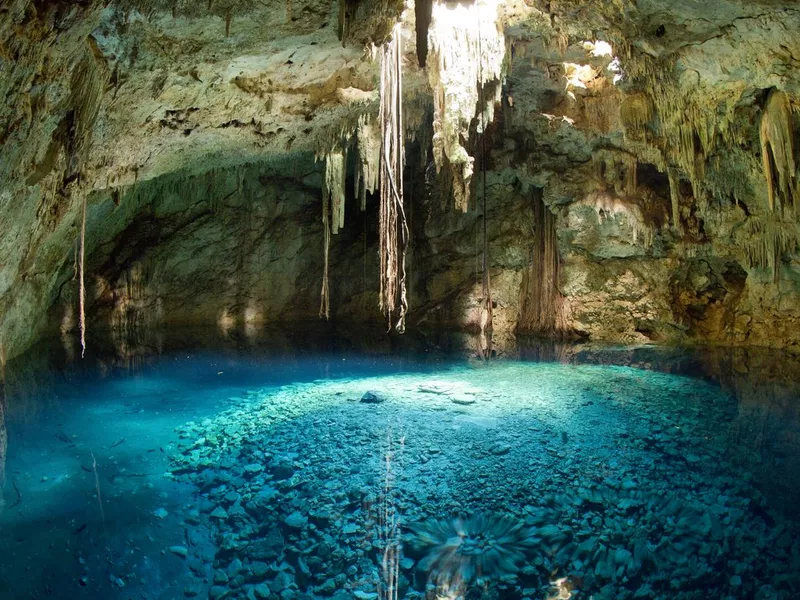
(3, 430)
(458, 551)
(389, 525)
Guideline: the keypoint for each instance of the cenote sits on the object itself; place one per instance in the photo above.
(357, 466)
(399, 299)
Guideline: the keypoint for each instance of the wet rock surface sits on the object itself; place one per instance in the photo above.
(199, 118)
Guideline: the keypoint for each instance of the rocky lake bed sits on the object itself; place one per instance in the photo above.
(515, 481)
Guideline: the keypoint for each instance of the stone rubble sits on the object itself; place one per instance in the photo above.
(622, 480)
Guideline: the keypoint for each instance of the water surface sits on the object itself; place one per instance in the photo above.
(194, 465)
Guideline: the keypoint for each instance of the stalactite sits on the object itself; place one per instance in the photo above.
(777, 154)
(393, 229)
(542, 305)
(617, 169)
(675, 198)
(369, 156)
(766, 238)
(325, 300)
(636, 111)
(467, 50)
(86, 93)
(690, 125)
(82, 283)
(334, 185)
(608, 206)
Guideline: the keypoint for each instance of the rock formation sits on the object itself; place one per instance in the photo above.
(642, 155)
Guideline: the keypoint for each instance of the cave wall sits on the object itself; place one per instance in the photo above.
(203, 194)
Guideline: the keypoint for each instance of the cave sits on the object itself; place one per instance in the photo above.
(399, 299)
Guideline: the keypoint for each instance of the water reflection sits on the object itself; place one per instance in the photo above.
(3, 429)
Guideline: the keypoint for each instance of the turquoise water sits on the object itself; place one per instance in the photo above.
(316, 466)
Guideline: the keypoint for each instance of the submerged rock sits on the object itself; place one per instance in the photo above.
(253, 469)
(296, 520)
(373, 398)
(219, 513)
(179, 551)
(500, 449)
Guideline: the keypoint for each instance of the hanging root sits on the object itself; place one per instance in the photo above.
(486, 314)
(393, 227)
(389, 538)
(82, 284)
(542, 305)
(325, 301)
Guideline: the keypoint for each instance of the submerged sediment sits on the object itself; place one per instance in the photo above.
(534, 493)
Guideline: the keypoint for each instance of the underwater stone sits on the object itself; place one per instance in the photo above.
(283, 470)
(253, 469)
(283, 580)
(259, 569)
(179, 551)
(219, 513)
(463, 400)
(220, 576)
(362, 595)
(296, 520)
(268, 547)
(320, 516)
(372, 398)
(217, 591)
(350, 528)
(326, 588)
(500, 449)
(262, 591)
(235, 567)
(231, 497)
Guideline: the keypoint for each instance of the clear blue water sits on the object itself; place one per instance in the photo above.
(245, 468)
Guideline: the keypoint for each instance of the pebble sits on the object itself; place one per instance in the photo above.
(259, 569)
(463, 400)
(217, 591)
(219, 513)
(500, 449)
(296, 520)
(372, 398)
(253, 469)
(181, 551)
(160, 513)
